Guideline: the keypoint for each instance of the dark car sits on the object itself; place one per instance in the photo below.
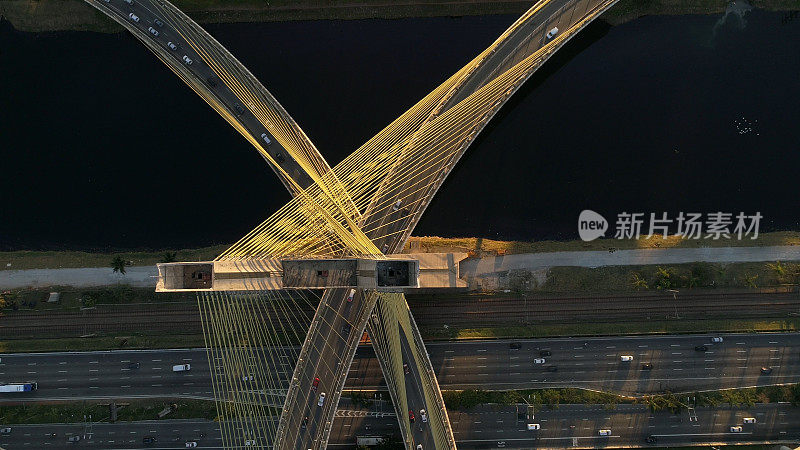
(279, 157)
(700, 348)
(406, 369)
(158, 22)
(211, 82)
(651, 439)
(552, 368)
(148, 440)
(545, 353)
(766, 370)
(346, 329)
(515, 346)
(647, 366)
(133, 365)
(239, 109)
(411, 416)
(305, 421)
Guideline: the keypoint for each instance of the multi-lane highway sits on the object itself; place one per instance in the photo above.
(677, 366)
(488, 426)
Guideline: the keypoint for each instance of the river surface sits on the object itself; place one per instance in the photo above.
(101, 147)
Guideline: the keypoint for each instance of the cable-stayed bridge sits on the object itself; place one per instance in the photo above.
(362, 209)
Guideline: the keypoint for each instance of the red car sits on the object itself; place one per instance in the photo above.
(315, 384)
(411, 416)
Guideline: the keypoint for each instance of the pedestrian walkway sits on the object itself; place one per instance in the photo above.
(645, 256)
(145, 276)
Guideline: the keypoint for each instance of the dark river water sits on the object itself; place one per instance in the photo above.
(101, 147)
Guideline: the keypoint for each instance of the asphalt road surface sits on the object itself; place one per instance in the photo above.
(592, 363)
(486, 426)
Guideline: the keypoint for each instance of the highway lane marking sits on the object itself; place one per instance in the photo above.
(32, 364)
(62, 371)
(772, 342)
(643, 346)
(62, 363)
(93, 362)
(482, 350)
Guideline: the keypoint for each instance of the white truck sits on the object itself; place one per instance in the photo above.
(18, 387)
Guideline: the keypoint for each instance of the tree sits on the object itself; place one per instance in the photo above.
(119, 264)
(169, 257)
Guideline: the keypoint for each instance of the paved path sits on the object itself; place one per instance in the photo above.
(145, 276)
(529, 261)
(137, 276)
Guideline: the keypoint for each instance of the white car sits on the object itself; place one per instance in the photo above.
(533, 426)
(350, 295)
(605, 432)
(321, 399)
(397, 205)
(187, 60)
(266, 139)
(419, 446)
(716, 339)
(153, 31)
(749, 420)
(181, 367)
(248, 378)
(626, 358)
(736, 429)
(191, 444)
(538, 361)
(423, 415)
(133, 17)
(249, 443)
(552, 33)
(6, 430)
(172, 46)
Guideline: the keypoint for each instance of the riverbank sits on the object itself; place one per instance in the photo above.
(61, 15)
(478, 247)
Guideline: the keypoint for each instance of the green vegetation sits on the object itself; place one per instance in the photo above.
(483, 247)
(615, 328)
(118, 264)
(463, 400)
(466, 399)
(73, 299)
(73, 412)
(133, 341)
(58, 260)
(678, 276)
